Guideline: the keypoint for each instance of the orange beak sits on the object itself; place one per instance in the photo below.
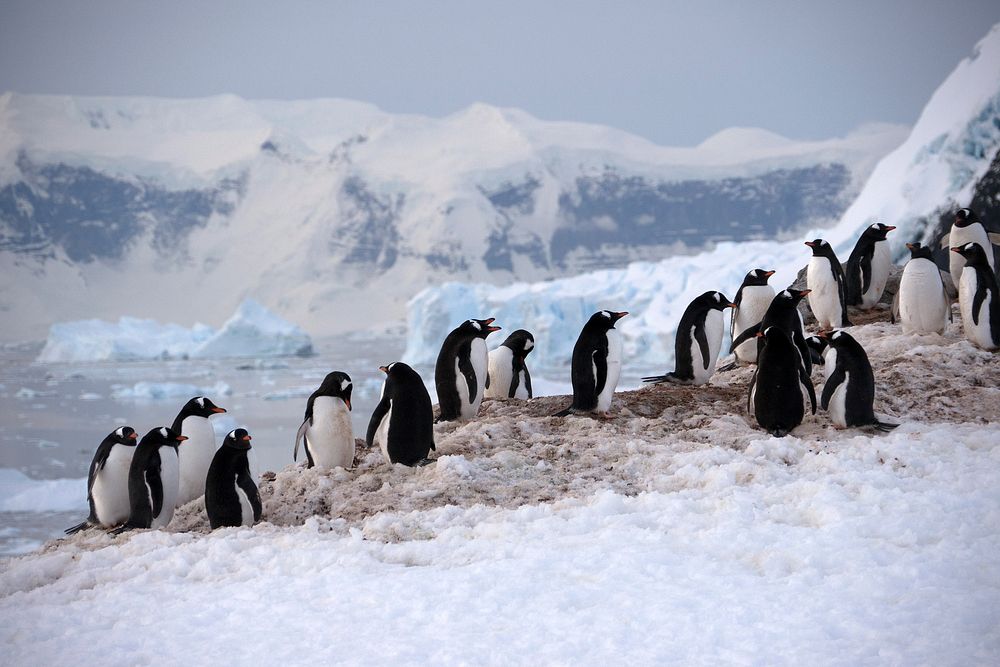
(956, 250)
(181, 438)
(348, 401)
(133, 436)
(810, 244)
(760, 334)
(246, 438)
(889, 228)
(909, 246)
(384, 369)
(806, 291)
(768, 274)
(217, 409)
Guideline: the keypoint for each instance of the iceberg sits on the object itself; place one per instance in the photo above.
(252, 331)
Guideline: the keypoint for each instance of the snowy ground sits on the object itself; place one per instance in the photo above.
(672, 533)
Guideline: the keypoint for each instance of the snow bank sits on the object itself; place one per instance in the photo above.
(20, 493)
(252, 331)
(948, 151)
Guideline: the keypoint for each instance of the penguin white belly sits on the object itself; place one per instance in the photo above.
(881, 265)
(170, 476)
(196, 454)
(824, 294)
(522, 387)
(501, 372)
(838, 403)
(479, 357)
(330, 438)
(714, 325)
(959, 236)
(978, 334)
(110, 490)
(753, 305)
(382, 435)
(246, 509)
(614, 370)
(922, 304)
(829, 362)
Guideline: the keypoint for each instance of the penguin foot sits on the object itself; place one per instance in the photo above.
(83, 525)
(119, 530)
(884, 427)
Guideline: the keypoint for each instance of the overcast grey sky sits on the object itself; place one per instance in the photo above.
(672, 72)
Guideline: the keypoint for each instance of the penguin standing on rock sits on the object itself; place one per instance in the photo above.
(460, 372)
(849, 392)
(779, 385)
(979, 298)
(751, 302)
(968, 228)
(403, 422)
(508, 375)
(597, 364)
(868, 266)
(921, 304)
(326, 428)
(231, 495)
(827, 288)
(153, 480)
(698, 341)
(784, 314)
(192, 422)
(107, 483)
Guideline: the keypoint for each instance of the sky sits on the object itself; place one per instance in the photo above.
(673, 72)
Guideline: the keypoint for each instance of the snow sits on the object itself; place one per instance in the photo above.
(252, 331)
(20, 493)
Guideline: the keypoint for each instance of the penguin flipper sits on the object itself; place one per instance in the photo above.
(380, 411)
(73, 530)
(702, 338)
(601, 367)
(831, 385)
(298, 438)
(465, 367)
(945, 241)
(806, 382)
(746, 335)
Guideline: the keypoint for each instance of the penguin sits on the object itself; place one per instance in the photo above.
(979, 298)
(752, 300)
(779, 385)
(326, 427)
(460, 372)
(508, 375)
(403, 421)
(968, 228)
(784, 313)
(828, 292)
(849, 391)
(107, 482)
(816, 347)
(231, 495)
(196, 455)
(596, 364)
(697, 341)
(153, 480)
(868, 266)
(921, 304)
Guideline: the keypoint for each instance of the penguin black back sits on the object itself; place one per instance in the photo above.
(823, 249)
(981, 328)
(776, 390)
(410, 432)
(148, 492)
(784, 314)
(589, 372)
(851, 374)
(124, 436)
(860, 265)
(199, 406)
(520, 343)
(231, 495)
(692, 332)
(457, 348)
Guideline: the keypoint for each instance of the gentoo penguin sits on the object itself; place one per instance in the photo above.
(968, 228)
(460, 372)
(751, 302)
(816, 347)
(783, 313)
(326, 427)
(979, 298)
(231, 496)
(698, 340)
(868, 266)
(107, 483)
(403, 421)
(849, 391)
(192, 422)
(152, 480)
(827, 290)
(508, 375)
(596, 365)
(921, 304)
(779, 385)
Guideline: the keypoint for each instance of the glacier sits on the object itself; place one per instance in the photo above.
(947, 153)
(252, 331)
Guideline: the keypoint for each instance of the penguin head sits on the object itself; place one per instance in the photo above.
(237, 439)
(338, 385)
(163, 436)
(817, 343)
(604, 320)
(520, 342)
(124, 435)
(973, 254)
(965, 217)
(478, 328)
(757, 277)
(718, 300)
(397, 370)
(199, 406)
(820, 248)
(772, 333)
(837, 338)
(918, 251)
(792, 296)
(877, 232)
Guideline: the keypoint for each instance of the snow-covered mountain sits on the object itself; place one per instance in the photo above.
(950, 159)
(333, 213)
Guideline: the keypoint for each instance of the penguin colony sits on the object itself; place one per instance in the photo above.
(138, 482)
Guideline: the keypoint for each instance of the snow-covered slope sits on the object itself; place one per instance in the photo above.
(319, 208)
(938, 166)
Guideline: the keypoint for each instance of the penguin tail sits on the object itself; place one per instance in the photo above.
(424, 462)
(119, 530)
(884, 427)
(728, 367)
(563, 413)
(779, 432)
(73, 530)
(669, 377)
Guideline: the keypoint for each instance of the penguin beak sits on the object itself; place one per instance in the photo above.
(490, 320)
(492, 329)
(956, 250)
(810, 244)
(181, 438)
(823, 334)
(768, 274)
(909, 246)
(246, 438)
(384, 369)
(348, 401)
(759, 334)
(889, 228)
(806, 291)
(133, 436)
(218, 409)
(620, 315)
(732, 305)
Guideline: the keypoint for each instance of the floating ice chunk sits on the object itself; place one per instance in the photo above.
(20, 493)
(160, 390)
(254, 331)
